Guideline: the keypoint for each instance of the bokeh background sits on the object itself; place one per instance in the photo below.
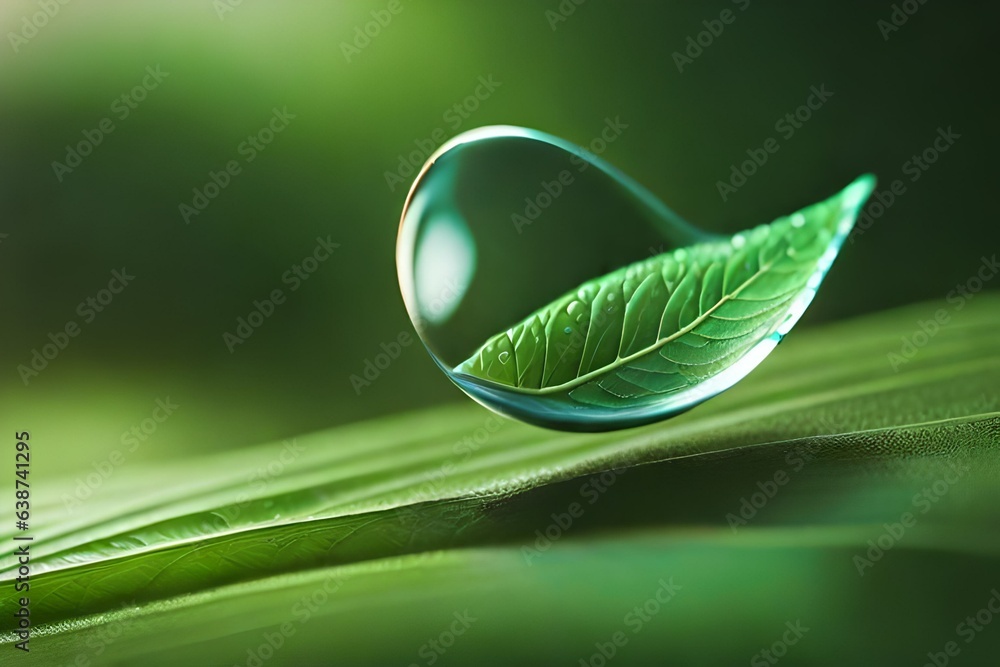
(231, 63)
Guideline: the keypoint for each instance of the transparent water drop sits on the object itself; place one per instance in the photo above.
(516, 247)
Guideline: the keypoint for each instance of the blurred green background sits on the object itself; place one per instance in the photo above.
(230, 64)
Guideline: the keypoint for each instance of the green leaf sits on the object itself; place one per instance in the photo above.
(669, 323)
(366, 540)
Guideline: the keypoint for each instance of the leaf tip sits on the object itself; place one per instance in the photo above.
(857, 193)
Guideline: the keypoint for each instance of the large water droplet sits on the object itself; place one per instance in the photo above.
(515, 248)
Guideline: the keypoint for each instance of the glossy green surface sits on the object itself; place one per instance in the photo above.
(410, 519)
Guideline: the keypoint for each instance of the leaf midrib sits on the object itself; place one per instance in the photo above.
(622, 361)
